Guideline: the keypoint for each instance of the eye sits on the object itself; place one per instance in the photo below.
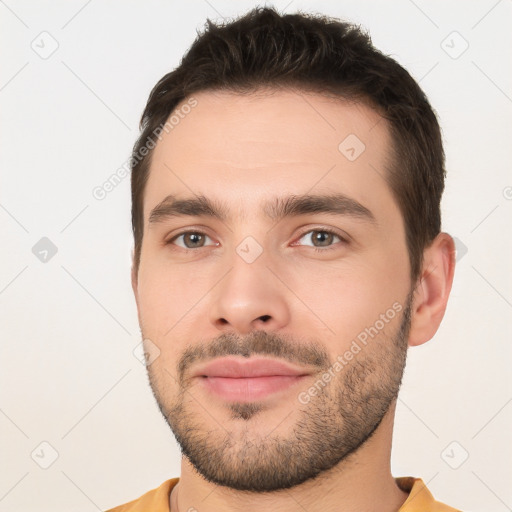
(321, 238)
(190, 240)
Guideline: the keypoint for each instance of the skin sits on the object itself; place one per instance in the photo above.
(244, 150)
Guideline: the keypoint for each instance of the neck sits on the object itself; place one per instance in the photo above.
(361, 482)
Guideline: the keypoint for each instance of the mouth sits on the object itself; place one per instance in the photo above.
(234, 379)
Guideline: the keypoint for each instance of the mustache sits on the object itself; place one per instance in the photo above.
(255, 343)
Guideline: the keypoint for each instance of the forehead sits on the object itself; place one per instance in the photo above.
(243, 147)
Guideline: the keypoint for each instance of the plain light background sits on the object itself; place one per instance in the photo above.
(69, 377)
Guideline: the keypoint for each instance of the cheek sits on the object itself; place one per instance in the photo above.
(168, 300)
(158, 303)
(351, 298)
(159, 283)
(155, 298)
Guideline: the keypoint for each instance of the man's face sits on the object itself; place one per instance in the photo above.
(324, 292)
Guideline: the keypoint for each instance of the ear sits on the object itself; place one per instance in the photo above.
(134, 277)
(432, 289)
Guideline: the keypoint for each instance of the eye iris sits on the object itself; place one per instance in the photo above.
(195, 238)
(320, 238)
(323, 237)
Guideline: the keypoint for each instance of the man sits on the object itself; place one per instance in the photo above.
(286, 193)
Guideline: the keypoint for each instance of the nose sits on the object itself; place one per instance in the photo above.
(249, 297)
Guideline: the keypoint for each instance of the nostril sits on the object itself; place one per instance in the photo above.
(265, 317)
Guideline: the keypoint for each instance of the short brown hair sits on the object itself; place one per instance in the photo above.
(318, 54)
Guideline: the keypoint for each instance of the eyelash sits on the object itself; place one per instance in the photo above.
(324, 230)
(316, 249)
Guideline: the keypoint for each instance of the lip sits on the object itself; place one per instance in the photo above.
(239, 380)
(255, 367)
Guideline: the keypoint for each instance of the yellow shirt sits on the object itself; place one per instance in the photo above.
(420, 499)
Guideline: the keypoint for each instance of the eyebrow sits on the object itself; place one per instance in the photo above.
(275, 209)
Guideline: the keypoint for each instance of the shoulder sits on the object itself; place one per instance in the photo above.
(156, 500)
(420, 498)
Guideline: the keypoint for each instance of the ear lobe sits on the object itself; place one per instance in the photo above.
(433, 289)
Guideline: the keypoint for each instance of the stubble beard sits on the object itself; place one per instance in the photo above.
(331, 427)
